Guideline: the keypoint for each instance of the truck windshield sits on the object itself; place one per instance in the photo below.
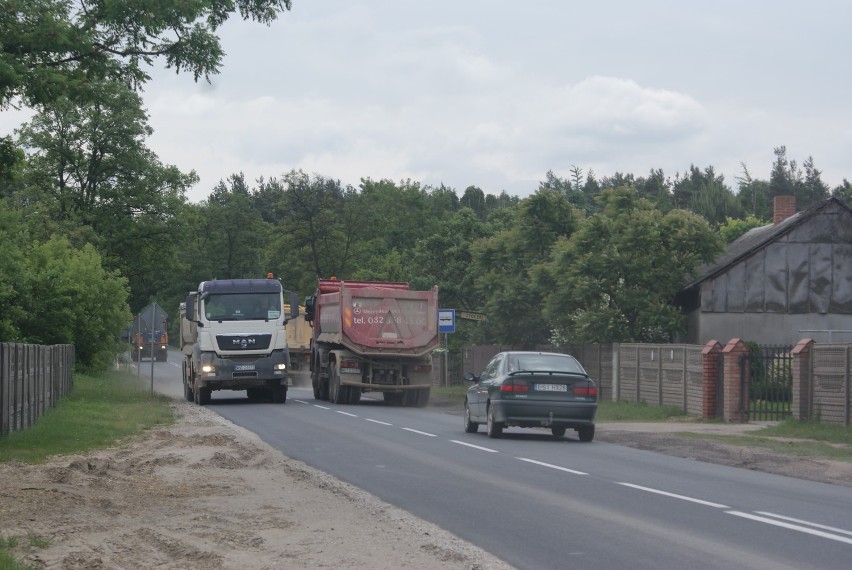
(242, 307)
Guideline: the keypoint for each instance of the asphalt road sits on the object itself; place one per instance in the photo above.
(537, 502)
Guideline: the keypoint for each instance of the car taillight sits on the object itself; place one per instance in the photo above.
(514, 387)
(586, 390)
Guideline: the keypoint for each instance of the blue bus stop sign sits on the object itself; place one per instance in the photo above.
(446, 320)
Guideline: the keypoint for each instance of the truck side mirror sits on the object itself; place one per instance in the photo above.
(294, 304)
(309, 308)
(190, 308)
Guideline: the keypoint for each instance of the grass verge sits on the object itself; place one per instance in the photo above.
(99, 411)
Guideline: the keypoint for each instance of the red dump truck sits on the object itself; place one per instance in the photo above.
(372, 336)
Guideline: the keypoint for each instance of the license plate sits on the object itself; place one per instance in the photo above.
(551, 388)
(241, 367)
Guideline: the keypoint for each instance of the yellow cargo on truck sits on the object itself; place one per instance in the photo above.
(298, 339)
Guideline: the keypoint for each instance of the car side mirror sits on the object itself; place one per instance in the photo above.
(469, 377)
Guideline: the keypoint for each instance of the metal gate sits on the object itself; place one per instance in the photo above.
(766, 382)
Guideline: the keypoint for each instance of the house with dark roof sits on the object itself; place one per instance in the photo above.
(778, 283)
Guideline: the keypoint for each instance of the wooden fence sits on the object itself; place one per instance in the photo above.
(828, 394)
(32, 380)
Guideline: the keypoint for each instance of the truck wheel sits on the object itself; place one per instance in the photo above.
(202, 396)
(394, 398)
(279, 394)
(315, 383)
(255, 394)
(558, 431)
(423, 397)
(337, 394)
(354, 395)
(187, 392)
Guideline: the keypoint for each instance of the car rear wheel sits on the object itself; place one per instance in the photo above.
(586, 433)
(557, 431)
(495, 428)
(469, 426)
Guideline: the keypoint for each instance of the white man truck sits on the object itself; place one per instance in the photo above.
(233, 337)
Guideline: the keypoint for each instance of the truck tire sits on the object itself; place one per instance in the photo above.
(202, 396)
(354, 395)
(187, 388)
(279, 394)
(337, 394)
(256, 394)
(394, 398)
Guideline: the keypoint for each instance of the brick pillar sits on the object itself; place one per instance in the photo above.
(710, 379)
(801, 403)
(733, 408)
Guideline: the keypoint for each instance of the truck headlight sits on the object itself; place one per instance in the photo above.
(207, 368)
(281, 366)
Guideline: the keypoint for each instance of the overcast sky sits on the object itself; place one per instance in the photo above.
(495, 93)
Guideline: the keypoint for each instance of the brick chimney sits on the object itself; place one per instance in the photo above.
(785, 206)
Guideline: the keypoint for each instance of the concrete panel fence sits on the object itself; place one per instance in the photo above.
(32, 380)
(706, 381)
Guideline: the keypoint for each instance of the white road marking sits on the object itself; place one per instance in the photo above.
(552, 466)
(474, 446)
(300, 401)
(347, 414)
(800, 521)
(321, 407)
(420, 432)
(791, 526)
(378, 422)
(674, 496)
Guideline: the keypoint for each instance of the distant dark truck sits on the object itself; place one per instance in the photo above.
(149, 336)
(372, 336)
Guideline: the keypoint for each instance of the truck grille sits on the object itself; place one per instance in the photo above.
(243, 341)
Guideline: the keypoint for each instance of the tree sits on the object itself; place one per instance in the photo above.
(444, 259)
(705, 193)
(319, 234)
(90, 175)
(613, 280)
(504, 266)
(474, 198)
(13, 286)
(57, 48)
(235, 231)
(73, 299)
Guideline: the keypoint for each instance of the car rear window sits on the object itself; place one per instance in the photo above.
(544, 363)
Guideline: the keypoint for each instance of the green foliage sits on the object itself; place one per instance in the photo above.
(504, 266)
(56, 48)
(706, 194)
(73, 299)
(614, 279)
(99, 411)
(733, 229)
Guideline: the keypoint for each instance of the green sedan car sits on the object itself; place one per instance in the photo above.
(532, 389)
